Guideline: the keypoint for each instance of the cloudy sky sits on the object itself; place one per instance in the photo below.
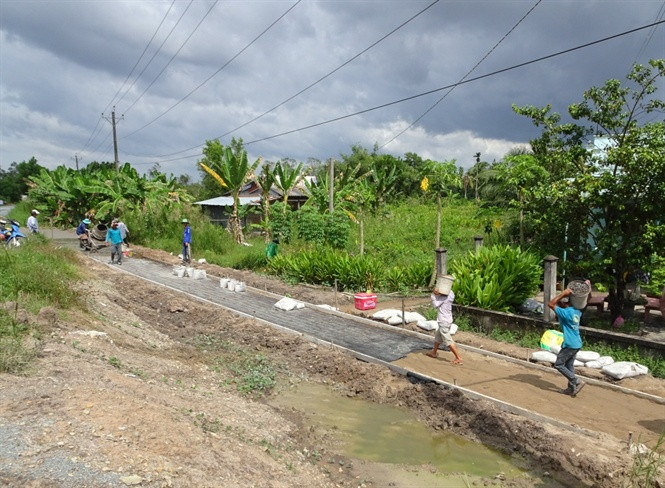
(300, 79)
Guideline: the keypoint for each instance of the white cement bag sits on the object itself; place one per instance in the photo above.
(202, 261)
(386, 314)
(241, 286)
(427, 324)
(179, 271)
(578, 364)
(545, 356)
(328, 307)
(625, 369)
(199, 274)
(412, 317)
(555, 349)
(395, 319)
(600, 362)
(189, 272)
(287, 304)
(585, 356)
(231, 285)
(223, 282)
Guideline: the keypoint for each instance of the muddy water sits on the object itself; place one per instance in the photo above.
(393, 446)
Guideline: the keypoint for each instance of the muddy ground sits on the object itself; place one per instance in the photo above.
(130, 391)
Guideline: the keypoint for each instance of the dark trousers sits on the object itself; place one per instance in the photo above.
(565, 362)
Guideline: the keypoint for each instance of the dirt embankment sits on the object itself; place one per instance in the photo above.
(142, 400)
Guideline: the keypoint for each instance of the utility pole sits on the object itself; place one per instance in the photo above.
(76, 158)
(331, 178)
(115, 137)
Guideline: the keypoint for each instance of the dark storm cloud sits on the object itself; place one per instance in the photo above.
(63, 62)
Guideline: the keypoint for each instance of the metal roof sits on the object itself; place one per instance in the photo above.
(228, 201)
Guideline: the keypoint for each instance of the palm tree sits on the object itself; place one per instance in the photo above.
(231, 170)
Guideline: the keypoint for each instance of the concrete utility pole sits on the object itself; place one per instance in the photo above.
(76, 158)
(331, 178)
(115, 137)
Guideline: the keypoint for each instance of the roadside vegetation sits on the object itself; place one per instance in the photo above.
(34, 275)
(596, 206)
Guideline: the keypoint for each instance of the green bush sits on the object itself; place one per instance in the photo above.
(496, 277)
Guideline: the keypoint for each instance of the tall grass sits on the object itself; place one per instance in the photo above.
(34, 275)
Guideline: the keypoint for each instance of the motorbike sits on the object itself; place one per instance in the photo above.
(13, 234)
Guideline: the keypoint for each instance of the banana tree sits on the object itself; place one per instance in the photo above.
(231, 170)
(265, 180)
(287, 178)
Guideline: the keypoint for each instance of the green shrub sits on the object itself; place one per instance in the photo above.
(657, 276)
(496, 277)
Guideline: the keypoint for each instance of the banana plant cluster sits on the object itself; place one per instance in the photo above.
(102, 192)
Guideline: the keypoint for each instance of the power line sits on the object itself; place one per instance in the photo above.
(463, 77)
(311, 84)
(172, 57)
(93, 134)
(435, 90)
(216, 72)
(141, 57)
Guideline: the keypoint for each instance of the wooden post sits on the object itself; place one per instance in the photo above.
(478, 243)
(441, 261)
(549, 286)
(403, 318)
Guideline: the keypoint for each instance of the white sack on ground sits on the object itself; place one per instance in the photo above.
(412, 317)
(585, 356)
(287, 304)
(625, 369)
(395, 319)
(600, 362)
(386, 314)
(328, 307)
(555, 349)
(578, 364)
(427, 324)
(545, 356)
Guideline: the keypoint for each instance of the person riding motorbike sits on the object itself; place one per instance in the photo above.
(83, 233)
(4, 232)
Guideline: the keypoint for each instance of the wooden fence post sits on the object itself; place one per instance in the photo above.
(549, 286)
(441, 261)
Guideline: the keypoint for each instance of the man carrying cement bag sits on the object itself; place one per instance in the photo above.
(569, 319)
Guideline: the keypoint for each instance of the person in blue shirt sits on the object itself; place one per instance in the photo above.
(186, 243)
(569, 320)
(114, 238)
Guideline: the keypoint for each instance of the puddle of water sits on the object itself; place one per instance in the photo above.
(387, 435)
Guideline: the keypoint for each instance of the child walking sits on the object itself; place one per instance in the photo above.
(444, 317)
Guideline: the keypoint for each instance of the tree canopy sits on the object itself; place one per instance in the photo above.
(606, 189)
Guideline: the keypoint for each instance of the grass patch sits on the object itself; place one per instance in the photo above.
(252, 374)
(34, 275)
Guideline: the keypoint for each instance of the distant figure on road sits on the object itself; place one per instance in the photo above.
(124, 231)
(569, 319)
(186, 243)
(444, 317)
(114, 238)
(32, 224)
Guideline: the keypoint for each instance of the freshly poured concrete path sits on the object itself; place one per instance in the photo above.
(356, 334)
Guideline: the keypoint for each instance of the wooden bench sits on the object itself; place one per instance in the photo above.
(655, 304)
(598, 302)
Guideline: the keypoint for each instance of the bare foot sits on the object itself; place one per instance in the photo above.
(458, 362)
(431, 354)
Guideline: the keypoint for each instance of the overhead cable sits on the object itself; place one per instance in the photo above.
(435, 90)
(461, 79)
(311, 84)
(216, 72)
